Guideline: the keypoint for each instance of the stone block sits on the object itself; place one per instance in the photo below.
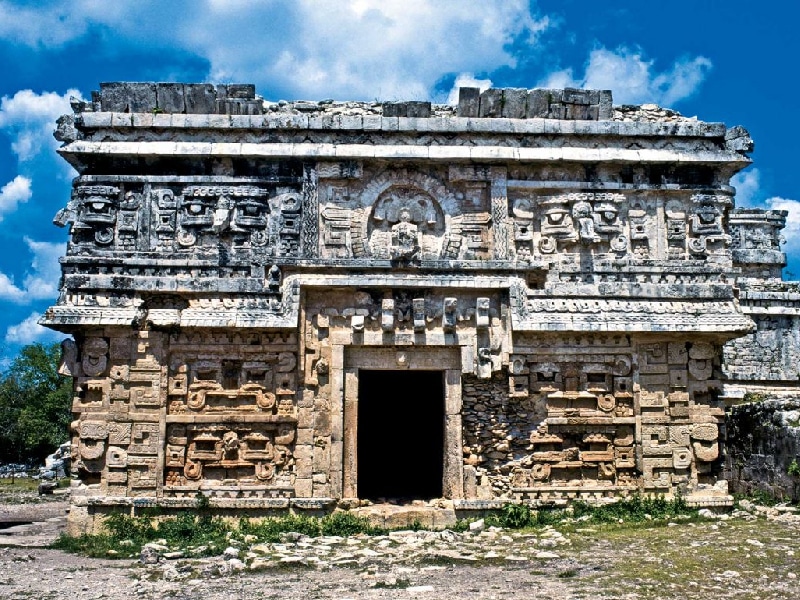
(395, 109)
(199, 98)
(240, 91)
(605, 105)
(303, 487)
(142, 119)
(322, 423)
(170, 98)
(322, 459)
(515, 103)
(468, 102)
(405, 517)
(127, 97)
(305, 437)
(491, 103)
(417, 109)
(96, 119)
(576, 96)
(538, 105)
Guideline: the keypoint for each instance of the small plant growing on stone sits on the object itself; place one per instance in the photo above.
(346, 523)
(567, 573)
(754, 397)
(512, 516)
(794, 469)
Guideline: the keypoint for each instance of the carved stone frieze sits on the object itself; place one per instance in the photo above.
(577, 295)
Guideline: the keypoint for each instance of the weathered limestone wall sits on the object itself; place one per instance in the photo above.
(576, 274)
(582, 417)
(763, 440)
(765, 360)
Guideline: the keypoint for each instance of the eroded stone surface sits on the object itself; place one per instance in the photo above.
(577, 274)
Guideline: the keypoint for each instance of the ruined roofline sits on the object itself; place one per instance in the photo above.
(494, 126)
(241, 99)
(238, 99)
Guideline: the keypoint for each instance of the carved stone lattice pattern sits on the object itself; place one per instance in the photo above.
(589, 295)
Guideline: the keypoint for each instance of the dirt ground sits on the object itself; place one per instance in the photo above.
(746, 557)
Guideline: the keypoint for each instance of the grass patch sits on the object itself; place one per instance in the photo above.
(760, 497)
(567, 574)
(18, 484)
(399, 584)
(703, 559)
(200, 533)
(339, 524)
(636, 509)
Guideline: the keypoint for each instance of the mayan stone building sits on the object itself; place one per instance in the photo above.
(533, 296)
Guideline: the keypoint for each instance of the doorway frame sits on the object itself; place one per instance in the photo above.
(346, 363)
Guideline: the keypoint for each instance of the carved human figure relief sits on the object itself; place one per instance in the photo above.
(405, 237)
(406, 223)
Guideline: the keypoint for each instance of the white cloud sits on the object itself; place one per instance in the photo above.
(633, 79)
(41, 282)
(9, 291)
(389, 49)
(15, 192)
(29, 331)
(365, 49)
(466, 80)
(747, 184)
(29, 118)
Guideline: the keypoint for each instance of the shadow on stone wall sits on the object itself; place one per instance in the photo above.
(763, 441)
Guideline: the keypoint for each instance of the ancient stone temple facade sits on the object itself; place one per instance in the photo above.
(301, 305)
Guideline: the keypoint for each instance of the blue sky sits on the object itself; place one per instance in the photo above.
(722, 60)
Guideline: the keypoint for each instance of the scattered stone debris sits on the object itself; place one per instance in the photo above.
(750, 550)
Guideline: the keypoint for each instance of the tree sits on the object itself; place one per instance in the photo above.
(35, 405)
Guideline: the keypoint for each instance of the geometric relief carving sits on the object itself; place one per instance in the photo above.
(142, 472)
(550, 224)
(244, 453)
(587, 435)
(250, 217)
(144, 438)
(119, 433)
(92, 211)
(706, 451)
(116, 457)
(562, 458)
(707, 229)
(145, 394)
(208, 397)
(232, 386)
(336, 228)
(95, 356)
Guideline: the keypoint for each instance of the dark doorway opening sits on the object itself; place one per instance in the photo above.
(400, 434)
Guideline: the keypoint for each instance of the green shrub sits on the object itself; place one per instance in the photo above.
(636, 509)
(346, 523)
(754, 397)
(270, 530)
(94, 546)
(515, 516)
(759, 496)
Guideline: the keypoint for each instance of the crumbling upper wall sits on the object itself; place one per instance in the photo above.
(763, 441)
(233, 263)
(519, 103)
